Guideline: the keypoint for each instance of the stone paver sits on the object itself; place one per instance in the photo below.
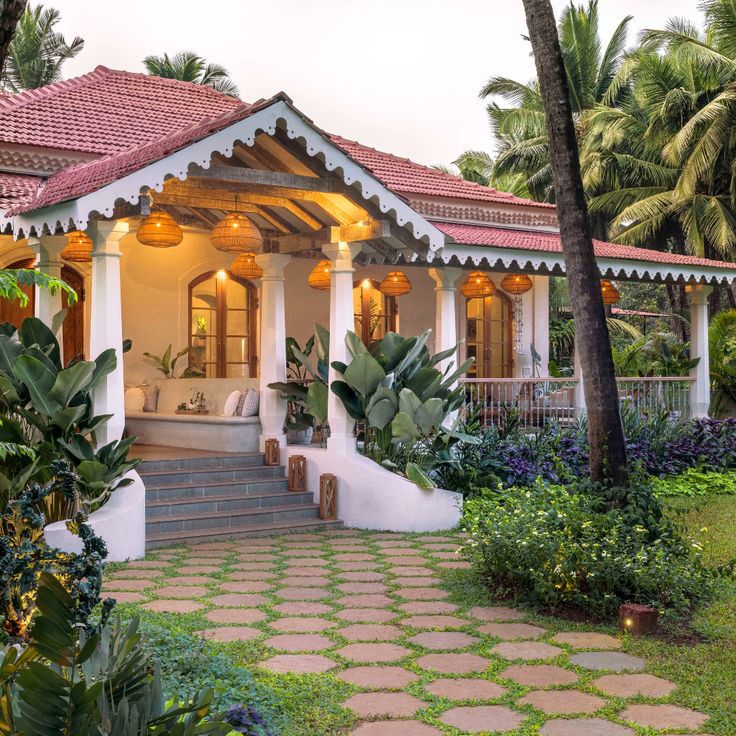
(246, 586)
(301, 625)
(613, 661)
(587, 640)
(526, 650)
(411, 571)
(230, 633)
(238, 599)
(495, 613)
(299, 642)
(362, 576)
(302, 594)
(137, 574)
(664, 716)
(119, 585)
(390, 705)
(366, 615)
(563, 702)
(125, 597)
(444, 640)
(583, 727)
(374, 652)
(453, 664)
(459, 565)
(298, 663)
(627, 686)
(434, 622)
(375, 600)
(181, 591)
(483, 718)
(464, 688)
(370, 632)
(173, 606)
(362, 588)
(421, 594)
(395, 728)
(378, 678)
(190, 580)
(417, 582)
(197, 569)
(150, 565)
(302, 608)
(539, 675)
(511, 631)
(305, 581)
(427, 607)
(234, 615)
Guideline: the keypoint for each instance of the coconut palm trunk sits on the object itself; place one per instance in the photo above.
(605, 431)
(10, 13)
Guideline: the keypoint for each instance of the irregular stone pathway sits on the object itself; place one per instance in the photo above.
(376, 610)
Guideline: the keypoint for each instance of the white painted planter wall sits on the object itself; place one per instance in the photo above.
(371, 497)
(121, 522)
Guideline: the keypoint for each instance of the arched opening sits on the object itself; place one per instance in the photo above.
(489, 336)
(223, 325)
(375, 313)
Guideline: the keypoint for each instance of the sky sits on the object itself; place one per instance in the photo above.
(400, 75)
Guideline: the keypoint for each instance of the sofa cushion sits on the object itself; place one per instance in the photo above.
(231, 404)
(250, 403)
(151, 397)
(135, 399)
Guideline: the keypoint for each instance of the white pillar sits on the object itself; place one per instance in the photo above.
(272, 356)
(579, 387)
(540, 321)
(700, 387)
(445, 331)
(341, 320)
(106, 329)
(47, 249)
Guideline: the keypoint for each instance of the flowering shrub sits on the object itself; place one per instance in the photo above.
(553, 547)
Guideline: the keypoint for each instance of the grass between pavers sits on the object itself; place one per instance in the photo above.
(312, 702)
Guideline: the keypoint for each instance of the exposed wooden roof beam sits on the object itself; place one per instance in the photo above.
(240, 175)
(355, 232)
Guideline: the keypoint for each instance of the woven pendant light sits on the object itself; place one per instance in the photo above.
(245, 266)
(319, 278)
(610, 294)
(477, 284)
(235, 233)
(516, 283)
(78, 248)
(159, 230)
(395, 284)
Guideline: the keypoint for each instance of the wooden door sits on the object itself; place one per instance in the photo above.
(489, 336)
(11, 310)
(73, 336)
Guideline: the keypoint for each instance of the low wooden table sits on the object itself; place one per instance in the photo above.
(191, 411)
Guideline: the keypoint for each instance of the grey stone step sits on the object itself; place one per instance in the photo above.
(221, 488)
(188, 476)
(166, 539)
(223, 520)
(215, 461)
(206, 505)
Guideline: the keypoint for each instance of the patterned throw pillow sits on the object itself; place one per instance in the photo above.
(151, 397)
(250, 404)
(231, 404)
(241, 401)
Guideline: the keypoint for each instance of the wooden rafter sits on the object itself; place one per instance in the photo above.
(281, 179)
(354, 232)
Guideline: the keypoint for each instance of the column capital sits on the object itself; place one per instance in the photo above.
(445, 278)
(48, 249)
(341, 255)
(273, 265)
(106, 235)
(699, 293)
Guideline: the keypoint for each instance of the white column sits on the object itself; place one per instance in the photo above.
(445, 331)
(341, 320)
(579, 387)
(272, 356)
(47, 249)
(106, 329)
(700, 387)
(540, 321)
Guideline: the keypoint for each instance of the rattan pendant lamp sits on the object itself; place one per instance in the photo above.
(235, 233)
(78, 248)
(319, 278)
(395, 284)
(245, 267)
(159, 230)
(610, 294)
(516, 284)
(477, 285)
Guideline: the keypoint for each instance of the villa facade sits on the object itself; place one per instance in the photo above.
(108, 151)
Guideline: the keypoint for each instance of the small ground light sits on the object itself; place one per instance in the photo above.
(636, 619)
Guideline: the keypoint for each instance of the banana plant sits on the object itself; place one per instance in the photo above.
(165, 363)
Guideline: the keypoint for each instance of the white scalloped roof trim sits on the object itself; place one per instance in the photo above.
(75, 214)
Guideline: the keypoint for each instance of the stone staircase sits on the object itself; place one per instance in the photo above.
(202, 499)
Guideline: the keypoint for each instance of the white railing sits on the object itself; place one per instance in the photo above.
(534, 401)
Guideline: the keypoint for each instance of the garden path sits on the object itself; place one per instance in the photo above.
(389, 616)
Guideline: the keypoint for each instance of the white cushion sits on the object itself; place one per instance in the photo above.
(231, 404)
(134, 399)
(250, 405)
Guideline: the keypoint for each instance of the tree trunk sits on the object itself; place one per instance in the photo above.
(605, 431)
(676, 299)
(10, 13)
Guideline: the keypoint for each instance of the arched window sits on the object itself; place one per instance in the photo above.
(489, 336)
(222, 318)
(375, 313)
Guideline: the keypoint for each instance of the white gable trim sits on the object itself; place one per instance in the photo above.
(75, 214)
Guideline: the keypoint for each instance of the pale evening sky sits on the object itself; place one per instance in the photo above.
(400, 75)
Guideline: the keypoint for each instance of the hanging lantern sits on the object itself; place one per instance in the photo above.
(78, 248)
(159, 230)
(516, 283)
(245, 266)
(609, 292)
(395, 284)
(319, 278)
(477, 284)
(235, 233)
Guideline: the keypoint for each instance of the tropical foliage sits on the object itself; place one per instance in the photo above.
(38, 51)
(186, 66)
(722, 342)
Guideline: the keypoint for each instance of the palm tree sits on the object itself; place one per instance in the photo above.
(591, 71)
(9, 17)
(37, 52)
(605, 431)
(186, 66)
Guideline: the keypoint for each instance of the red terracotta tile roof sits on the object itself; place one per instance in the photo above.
(403, 175)
(17, 189)
(550, 243)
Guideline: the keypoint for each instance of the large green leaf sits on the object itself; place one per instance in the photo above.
(416, 475)
(71, 381)
(39, 381)
(355, 344)
(349, 399)
(290, 389)
(67, 418)
(408, 401)
(33, 331)
(364, 374)
(429, 415)
(403, 428)
(105, 363)
(382, 407)
(10, 349)
(317, 400)
(322, 342)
